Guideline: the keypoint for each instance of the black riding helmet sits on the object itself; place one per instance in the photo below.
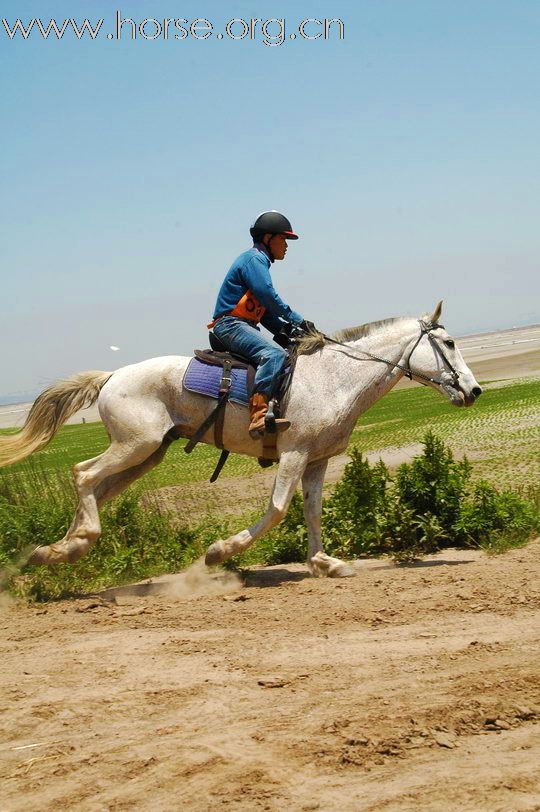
(272, 222)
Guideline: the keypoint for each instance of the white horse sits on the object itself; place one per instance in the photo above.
(333, 384)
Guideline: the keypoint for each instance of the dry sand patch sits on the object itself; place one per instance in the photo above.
(400, 689)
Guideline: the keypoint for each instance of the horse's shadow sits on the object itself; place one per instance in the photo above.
(421, 563)
(275, 576)
(260, 579)
(263, 578)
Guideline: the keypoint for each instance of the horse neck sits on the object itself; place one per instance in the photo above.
(363, 382)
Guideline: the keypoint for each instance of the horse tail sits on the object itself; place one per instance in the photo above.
(49, 411)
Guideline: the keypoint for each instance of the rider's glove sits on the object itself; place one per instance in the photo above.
(308, 327)
(288, 334)
(283, 340)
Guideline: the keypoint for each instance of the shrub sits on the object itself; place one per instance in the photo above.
(34, 507)
(433, 486)
(488, 516)
(430, 504)
(354, 515)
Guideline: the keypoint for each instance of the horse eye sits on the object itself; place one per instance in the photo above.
(449, 343)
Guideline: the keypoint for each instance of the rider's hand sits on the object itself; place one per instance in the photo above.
(308, 327)
(283, 340)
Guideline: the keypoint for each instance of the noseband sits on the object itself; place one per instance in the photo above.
(426, 328)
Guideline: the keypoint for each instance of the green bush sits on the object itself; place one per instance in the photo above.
(488, 517)
(354, 516)
(434, 486)
(430, 504)
(34, 507)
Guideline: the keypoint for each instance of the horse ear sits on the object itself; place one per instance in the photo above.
(436, 313)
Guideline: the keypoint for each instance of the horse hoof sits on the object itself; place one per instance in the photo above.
(60, 553)
(40, 555)
(324, 566)
(341, 570)
(215, 554)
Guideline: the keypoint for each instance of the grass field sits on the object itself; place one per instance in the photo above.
(500, 434)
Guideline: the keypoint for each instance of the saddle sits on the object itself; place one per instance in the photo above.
(205, 372)
(225, 376)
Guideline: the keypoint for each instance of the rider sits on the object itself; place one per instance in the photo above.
(247, 297)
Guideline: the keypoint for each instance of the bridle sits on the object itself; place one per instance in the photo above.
(426, 328)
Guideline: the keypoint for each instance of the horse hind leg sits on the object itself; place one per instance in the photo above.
(114, 485)
(89, 476)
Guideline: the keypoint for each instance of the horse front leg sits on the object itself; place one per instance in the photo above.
(319, 564)
(291, 467)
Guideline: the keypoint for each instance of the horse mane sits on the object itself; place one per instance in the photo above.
(363, 330)
(316, 341)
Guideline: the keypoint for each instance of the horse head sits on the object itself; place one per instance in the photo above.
(435, 357)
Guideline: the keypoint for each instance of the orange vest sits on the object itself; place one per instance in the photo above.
(247, 308)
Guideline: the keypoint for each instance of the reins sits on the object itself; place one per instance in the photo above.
(425, 329)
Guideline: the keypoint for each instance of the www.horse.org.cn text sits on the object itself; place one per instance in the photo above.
(271, 32)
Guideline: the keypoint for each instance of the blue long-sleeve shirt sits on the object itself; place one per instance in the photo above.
(250, 271)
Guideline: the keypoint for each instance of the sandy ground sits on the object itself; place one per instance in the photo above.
(507, 354)
(401, 689)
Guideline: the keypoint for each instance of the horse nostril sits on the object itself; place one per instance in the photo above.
(477, 391)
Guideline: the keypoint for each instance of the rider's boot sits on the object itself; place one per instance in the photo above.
(258, 406)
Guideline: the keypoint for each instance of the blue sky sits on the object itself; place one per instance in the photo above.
(405, 155)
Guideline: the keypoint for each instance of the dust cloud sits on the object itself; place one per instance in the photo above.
(197, 580)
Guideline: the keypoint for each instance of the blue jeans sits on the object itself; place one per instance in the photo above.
(265, 354)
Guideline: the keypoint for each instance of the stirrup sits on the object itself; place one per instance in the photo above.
(273, 424)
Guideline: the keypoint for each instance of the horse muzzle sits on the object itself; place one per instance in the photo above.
(460, 394)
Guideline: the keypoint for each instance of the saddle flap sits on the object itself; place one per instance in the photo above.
(215, 358)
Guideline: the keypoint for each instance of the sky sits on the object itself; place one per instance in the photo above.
(405, 155)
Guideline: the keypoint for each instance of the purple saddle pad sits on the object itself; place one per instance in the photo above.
(204, 379)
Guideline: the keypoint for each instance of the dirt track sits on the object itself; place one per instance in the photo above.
(400, 689)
